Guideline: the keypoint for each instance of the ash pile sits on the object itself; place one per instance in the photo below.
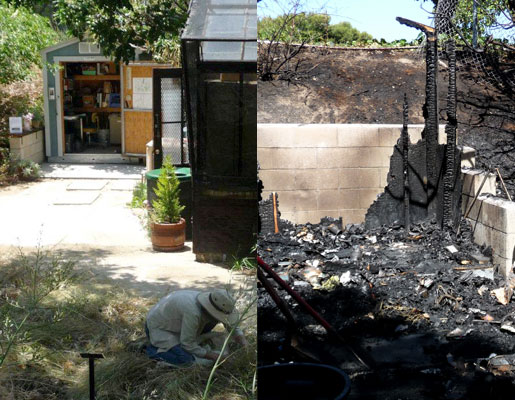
(387, 290)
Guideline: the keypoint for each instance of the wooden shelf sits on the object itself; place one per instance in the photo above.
(96, 77)
(96, 109)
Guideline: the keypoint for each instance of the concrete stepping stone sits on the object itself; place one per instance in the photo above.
(77, 198)
(86, 185)
(124, 185)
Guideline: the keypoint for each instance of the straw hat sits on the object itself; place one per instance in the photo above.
(220, 305)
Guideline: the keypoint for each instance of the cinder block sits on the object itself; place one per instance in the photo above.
(503, 244)
(285, 158)
(315, 135)
(316, 179)
(336, 157)
(298, 200)
(468, 157)
(495, 212)
(356, 216)
(385, 154)
(329, 199)
(275, 135)
(367, 197)
(505, 266)
(289, 216)
(357, 135)
(472, 179)
(383, 176)
(338, 199)
(282, 179)
(388, 136)
(354, 178)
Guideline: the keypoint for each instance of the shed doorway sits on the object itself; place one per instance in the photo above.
(90, 105)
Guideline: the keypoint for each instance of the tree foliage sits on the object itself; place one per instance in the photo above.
(345, 33)
(23, 35)
(122, 26)
(309, 28)
(494, 17)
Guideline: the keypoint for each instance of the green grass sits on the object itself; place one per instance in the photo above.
(91, 314)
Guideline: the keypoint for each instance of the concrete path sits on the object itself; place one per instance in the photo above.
(87, 219)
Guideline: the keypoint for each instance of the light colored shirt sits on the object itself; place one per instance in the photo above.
(178, 318)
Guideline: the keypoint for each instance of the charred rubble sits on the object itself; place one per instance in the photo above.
(386, 290)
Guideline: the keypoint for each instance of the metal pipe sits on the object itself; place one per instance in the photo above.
(308, 308)
(503, 185)
(277, 300)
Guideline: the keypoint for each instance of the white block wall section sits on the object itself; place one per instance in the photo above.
(333, 170)
(492, 218)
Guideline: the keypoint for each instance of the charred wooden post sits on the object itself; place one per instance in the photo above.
(405, 161)
(450, 130)
(430, 107)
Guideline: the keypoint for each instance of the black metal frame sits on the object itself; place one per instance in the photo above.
(157, 75)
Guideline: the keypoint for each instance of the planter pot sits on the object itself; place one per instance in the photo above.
(168, 237)
(302, 381)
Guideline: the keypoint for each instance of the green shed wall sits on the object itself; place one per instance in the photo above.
(70, 50)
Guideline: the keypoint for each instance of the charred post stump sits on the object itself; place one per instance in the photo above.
(430, 110)
(405, 162)
(424, 180)
(452, 177)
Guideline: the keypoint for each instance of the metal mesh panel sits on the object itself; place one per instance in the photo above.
(484, 59)
(173, 140)
(172, 143)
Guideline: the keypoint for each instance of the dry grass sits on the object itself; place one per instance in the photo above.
(97, 316)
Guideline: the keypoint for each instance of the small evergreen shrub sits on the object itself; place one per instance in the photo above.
(167, 208)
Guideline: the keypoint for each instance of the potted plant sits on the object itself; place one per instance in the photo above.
(166, 225)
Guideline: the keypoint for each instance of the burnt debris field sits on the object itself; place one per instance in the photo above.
(424, 309)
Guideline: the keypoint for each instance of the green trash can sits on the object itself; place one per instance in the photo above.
(184, 176)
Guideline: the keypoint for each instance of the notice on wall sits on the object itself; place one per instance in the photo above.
(142, 93)
(15, 125)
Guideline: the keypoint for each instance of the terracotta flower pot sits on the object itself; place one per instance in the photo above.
(168, 237)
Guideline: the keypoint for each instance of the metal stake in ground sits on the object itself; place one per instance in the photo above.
(430, 108)
(91, 358)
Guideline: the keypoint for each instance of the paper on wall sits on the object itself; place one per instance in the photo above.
(142, 85)
(142, 93)
(142, 101)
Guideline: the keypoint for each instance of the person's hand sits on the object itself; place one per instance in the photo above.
(212, 355)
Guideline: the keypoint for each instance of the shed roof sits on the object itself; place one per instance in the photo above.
(59, 45)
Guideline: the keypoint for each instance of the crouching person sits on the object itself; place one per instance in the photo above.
(179, 323)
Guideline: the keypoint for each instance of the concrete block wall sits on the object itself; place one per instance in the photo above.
(492, 218)
(28, 146)
(334, 170)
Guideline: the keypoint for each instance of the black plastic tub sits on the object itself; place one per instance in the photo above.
(302, 381)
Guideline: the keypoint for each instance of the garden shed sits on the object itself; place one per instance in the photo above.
(96, 110)
(219, 50)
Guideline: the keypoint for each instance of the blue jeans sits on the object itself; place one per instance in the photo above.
(176, 355)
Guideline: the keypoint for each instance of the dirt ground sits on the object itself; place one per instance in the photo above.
(367, 86)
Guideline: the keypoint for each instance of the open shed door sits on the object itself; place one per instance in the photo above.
(169, 133)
